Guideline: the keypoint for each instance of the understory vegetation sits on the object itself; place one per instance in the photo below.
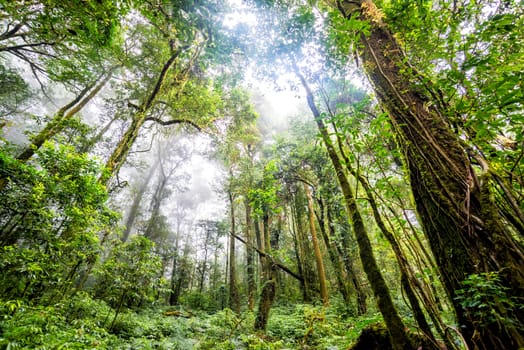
(84, 323)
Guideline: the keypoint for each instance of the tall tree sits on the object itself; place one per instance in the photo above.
(466, 231)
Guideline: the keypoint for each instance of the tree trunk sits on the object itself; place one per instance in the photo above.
(348, 264)
(335, 258)
(117, 158)
(267, 296)
(316, 247)
(397, 330)
(234, 301)
(65, 113)
(133, 211)
(250, 259)
(463, 226)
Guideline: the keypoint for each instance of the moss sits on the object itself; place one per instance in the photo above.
(376, 337)
(373, 337)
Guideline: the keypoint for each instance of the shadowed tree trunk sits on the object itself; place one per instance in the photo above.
(133, 211)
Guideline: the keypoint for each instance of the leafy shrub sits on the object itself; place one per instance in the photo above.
(487, 301)
(198, 301)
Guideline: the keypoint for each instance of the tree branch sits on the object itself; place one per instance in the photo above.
(273, 261)
(174, 121)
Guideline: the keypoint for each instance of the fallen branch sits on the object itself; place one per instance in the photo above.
(178, 314)
(276, 263)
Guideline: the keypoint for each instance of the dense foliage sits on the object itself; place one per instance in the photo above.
(385, 211)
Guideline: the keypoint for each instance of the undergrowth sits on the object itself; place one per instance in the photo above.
(84, 323)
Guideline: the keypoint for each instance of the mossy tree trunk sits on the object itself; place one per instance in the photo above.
(60, 118)
(463, 226)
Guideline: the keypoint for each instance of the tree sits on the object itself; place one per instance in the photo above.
(454, 201)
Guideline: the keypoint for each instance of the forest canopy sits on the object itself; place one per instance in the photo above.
(261, 174)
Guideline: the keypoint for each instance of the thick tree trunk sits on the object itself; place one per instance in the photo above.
(465, 230)
(316, 247)
(394, 324)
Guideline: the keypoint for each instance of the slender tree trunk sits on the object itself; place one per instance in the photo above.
(133, 211)
(250, 259)
(343, 250)
(234, 298)
(267, 296)
(397, 330)
(464, 228)
(336, 260)
(407, 274)
(316, 247)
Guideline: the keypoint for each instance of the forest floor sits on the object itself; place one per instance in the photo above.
(84, 323)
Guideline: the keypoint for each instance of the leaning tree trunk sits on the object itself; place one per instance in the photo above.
(465, 230)
(117, 158)
(396, 329)
(58, 122)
